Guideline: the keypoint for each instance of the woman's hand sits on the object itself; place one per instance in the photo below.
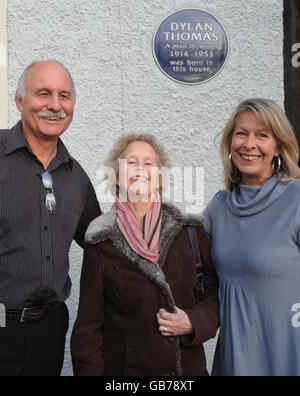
(174, 324)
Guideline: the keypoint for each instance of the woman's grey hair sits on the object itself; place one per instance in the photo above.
(21, 91)
(117, 152)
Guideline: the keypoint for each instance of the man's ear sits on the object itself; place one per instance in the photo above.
(19, 103)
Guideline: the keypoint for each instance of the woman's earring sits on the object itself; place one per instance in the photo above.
(276, 168)
(230, 156)
(279, 163)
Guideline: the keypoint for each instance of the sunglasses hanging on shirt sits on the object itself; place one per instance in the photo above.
(50, 200)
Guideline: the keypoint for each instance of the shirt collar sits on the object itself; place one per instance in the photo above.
(63, 154)
(17, 140)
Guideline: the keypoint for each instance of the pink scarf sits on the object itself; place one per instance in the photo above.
(142, 237)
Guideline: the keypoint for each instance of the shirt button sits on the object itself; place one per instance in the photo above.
(171, 340)
(46, 228)
(47, 258)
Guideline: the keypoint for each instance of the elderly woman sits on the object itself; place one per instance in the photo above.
(255, 229)
(137, 313)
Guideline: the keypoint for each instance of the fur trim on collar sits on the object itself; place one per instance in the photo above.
(102, 227)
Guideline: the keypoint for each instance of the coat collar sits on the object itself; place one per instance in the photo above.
(104, 226)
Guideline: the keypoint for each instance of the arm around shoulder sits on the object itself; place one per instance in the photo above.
(90, 212)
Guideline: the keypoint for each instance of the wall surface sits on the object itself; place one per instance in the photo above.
(107, 45)
(3, 65)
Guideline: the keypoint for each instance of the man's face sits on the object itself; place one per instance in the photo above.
(48, 106)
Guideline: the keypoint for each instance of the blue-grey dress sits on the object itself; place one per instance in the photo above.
(255, 248)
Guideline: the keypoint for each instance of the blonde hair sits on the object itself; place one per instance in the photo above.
(124, 141)
(273, 119)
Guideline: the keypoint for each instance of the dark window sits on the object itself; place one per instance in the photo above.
(291, 20)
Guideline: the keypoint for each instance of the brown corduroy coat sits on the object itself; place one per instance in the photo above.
(116, 332)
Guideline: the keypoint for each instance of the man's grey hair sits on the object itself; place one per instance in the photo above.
(21, 91)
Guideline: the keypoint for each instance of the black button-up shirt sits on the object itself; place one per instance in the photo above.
(34, 244)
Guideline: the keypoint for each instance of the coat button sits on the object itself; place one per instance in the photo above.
(171, 340)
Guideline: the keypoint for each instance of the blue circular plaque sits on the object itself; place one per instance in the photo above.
(190, 46)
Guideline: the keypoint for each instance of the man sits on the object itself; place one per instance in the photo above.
(46, 201)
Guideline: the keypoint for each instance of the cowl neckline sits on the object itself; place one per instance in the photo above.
(251, 200)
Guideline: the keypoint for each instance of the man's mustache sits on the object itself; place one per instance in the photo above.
(51, 115)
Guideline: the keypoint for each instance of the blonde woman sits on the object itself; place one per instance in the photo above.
(255, 229)
(137, 314)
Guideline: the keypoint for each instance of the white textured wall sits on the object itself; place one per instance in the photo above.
(3, 65)
(107, 45)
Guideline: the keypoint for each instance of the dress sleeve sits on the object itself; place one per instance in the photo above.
(86, 340)
(209, 215)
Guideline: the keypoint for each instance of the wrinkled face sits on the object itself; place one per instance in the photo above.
(47, 108)
(253, 149)
(139, 169)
